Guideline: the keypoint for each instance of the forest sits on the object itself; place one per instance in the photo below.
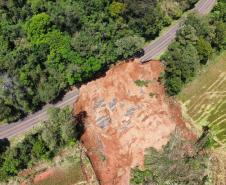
(200, 37)
(49, 45)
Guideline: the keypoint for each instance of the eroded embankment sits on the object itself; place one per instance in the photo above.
(121, 119)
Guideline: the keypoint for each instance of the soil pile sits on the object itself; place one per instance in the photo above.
(121, 119)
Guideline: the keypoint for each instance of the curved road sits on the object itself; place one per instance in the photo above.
(13, 129)
(162, 43)
(158, 46)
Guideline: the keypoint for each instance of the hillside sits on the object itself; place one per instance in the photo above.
(121, 119)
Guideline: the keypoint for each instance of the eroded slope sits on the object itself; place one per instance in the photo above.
(121, 119)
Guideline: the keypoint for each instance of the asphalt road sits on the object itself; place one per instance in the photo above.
(22, 125)
(162, 43)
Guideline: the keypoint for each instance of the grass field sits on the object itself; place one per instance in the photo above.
(204, 100)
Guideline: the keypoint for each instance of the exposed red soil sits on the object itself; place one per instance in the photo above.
(150, 125)
(39, 177)
(180, 121)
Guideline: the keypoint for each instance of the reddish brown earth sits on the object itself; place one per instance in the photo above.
(40, 177)
(151, 123)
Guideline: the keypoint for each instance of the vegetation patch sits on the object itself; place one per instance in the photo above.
(53, 143)
(142, 83)
(194, 46)
(152, 94)
(178, 162)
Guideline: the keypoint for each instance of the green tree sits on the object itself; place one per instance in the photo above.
(5, 111)
(219, 11)
(174, 85)
(202, 25)
(39, 148)
(220, 33)
(11, 165)
(181, 65)
(127, 46)
(116, 9)
(37, 27)
(4, 174)
(49, 135)
(68, 132)
(204, 49)
(186, 35)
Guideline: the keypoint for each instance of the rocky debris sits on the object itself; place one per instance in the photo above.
(142, 92)
(103, 105)
(112, 105)
(122, 104)
(102, 122)
(99, 102)
(123, 128)
(127, 128)
(129, 123)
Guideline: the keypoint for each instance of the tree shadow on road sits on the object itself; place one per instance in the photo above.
(139, 54)
(4, 144)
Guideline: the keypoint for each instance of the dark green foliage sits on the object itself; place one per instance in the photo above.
(127, 46)
(178, 162)
(181, 64)
(186, 35)
(219, 11)
(201, 23)
(39, 148)
(204, 49)
(45, 46)
(58, 131)
(220, 33)
(199, 36)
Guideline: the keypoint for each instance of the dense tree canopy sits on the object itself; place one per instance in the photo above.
(199, 36)
(47, 45)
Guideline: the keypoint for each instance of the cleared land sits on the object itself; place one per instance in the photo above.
(204, 100)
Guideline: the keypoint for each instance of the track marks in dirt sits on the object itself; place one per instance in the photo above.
(208, 94)
(223, 74)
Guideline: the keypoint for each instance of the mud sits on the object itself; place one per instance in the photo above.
(119, 144)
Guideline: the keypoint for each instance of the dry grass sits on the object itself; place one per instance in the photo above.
(204, 100)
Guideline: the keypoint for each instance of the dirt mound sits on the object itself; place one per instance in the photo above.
(121, 119)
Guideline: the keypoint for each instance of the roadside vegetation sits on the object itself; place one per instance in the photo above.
(48, 45)
(198, 39)
(44, 147)
(201, 39)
